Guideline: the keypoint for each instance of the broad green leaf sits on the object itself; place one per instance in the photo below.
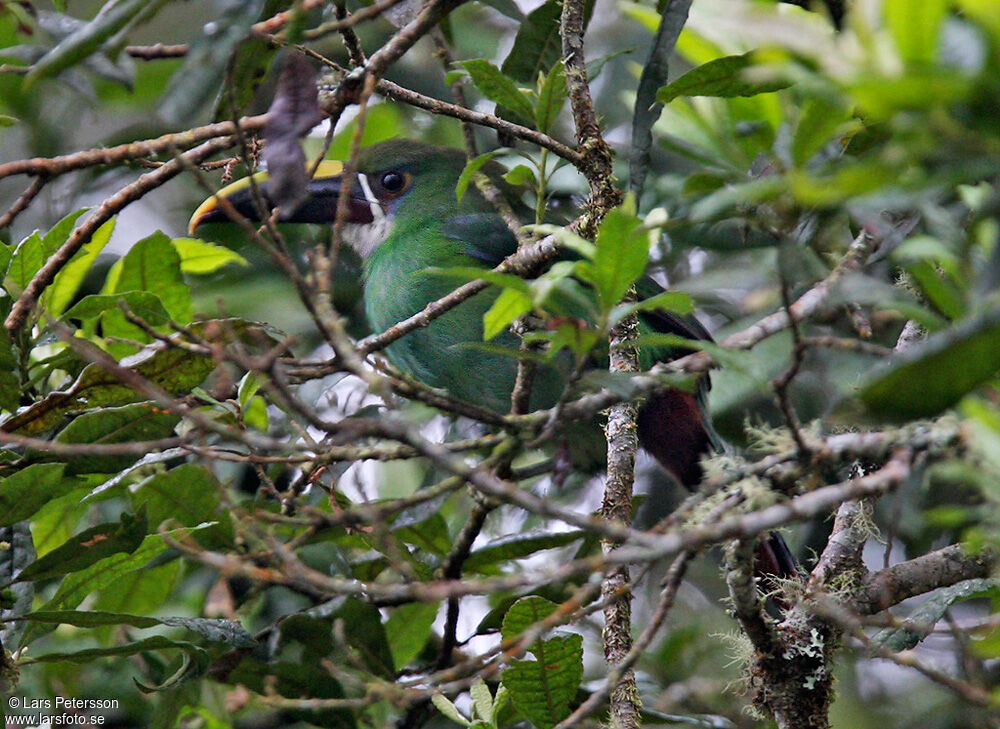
(724, 77)
(89, 547)
(32, 253)
(144, 591)
(517, 546)
(138, 422)
(215, 630)
(188, 495)
(151, 265)
(10, 384)
(56, 521)
(175, 370)
(407, 630)
(17, 554)
(197, 81)
(936, 374)
(521, 175)
(542, 689)
(471, 168)
(499, 88)
(916, 27)
(248, 68)
(75, 588)
(621, 257)
(819, 120)
(199, 257)
(551, 97)
(112, 18)
(67, 282)
(28, 490)
(509, 305)
(525, 613)
(538, 45)
(141, 303)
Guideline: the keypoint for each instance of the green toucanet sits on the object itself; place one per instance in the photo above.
(403, 218)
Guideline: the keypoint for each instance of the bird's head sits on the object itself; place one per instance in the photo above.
(395, 179)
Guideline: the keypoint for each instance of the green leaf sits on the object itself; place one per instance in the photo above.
(188, 495)
(199, 257)
(724, 77)
(89, 547)
(921, 621)
(156, 642)
(446, 707)
(142, 421)
(10, 385)
(509, 305)
(151, 265)
(819, 120)
(525, 613)
(542, 689)
(551, 97)
(141, 303)
(248, 69)
(482, 700)
(32, 253)
(112, 18)
(517, 546)
(407, 630)
(177, 371)
(621, 256)
(675, 301)
(916, 27)
(28, 490)
(538, 44)
(471, 168)
(521, 175)
(499, 88)
(68, 281)
(935, 375)
(215, 630)
(197, 81)
(18, 553)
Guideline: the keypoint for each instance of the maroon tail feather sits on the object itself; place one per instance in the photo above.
(672, 428)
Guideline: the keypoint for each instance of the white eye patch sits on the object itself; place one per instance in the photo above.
(373, 204)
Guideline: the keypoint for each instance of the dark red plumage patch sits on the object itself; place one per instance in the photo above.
(672, 429)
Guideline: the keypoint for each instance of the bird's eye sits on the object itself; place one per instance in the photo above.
(393, 182)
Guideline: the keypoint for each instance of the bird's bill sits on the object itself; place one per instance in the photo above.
(319, 205)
